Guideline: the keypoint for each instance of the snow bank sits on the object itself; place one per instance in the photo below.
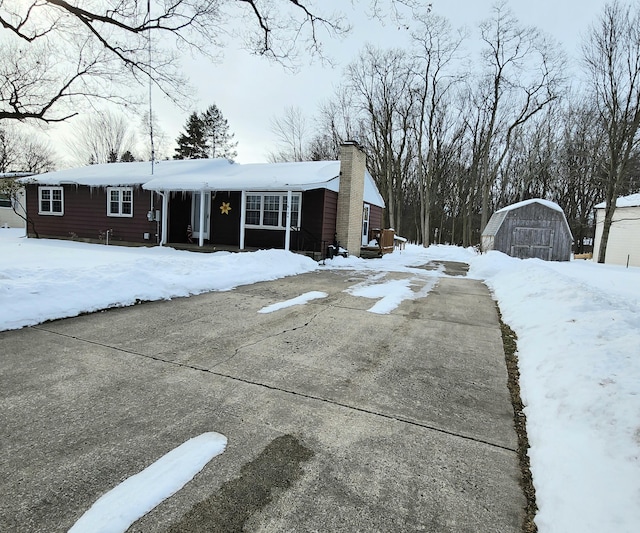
(44, 279)
(578, 327)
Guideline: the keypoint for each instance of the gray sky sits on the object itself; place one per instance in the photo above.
(250, 90)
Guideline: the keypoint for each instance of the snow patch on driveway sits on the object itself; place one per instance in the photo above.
(116, 510)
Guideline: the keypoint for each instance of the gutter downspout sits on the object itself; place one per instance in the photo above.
(243, 209)
(287, 231)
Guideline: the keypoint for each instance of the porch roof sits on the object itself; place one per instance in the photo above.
(238, 177)
(264, 177)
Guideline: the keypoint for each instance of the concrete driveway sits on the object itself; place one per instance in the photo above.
(337, 419)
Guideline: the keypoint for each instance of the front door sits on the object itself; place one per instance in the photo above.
(365, 224)
(195, 215)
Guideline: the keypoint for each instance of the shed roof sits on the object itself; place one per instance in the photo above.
(499, 216)
(518, 205)
(210, 175)
(495, 222)
(633, 200)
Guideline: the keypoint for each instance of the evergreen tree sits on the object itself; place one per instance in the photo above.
(206, 135)
(193, 143)
(219, 139)
(127, 157)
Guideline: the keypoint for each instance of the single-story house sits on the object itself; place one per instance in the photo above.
(296, 206)
(623, 247)
(533, 228)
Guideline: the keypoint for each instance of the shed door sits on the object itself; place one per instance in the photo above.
(532, 243)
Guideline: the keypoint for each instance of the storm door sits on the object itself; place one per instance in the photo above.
(365, 224)
(195, 214)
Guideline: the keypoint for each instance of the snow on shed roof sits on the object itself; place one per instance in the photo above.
(546, 203)
(633, 200)
(496, 220)
(210, 174)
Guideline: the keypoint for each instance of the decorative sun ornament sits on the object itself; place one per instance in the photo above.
(225, 208)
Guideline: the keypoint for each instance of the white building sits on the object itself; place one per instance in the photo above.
(8, 216)
(623, 247)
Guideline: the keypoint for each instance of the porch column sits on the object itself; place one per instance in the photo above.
(165, 217)
(287, 231)
(201, 234)
(243, 209)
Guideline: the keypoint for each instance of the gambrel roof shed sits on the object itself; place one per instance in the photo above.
(533, 228)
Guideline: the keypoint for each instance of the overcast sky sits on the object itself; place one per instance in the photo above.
(250, 91)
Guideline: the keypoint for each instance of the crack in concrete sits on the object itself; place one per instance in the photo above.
(287, 391)
(254, 343)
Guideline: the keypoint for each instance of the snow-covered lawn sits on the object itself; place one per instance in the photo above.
(578, 327)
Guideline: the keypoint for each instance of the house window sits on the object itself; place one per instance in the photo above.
(119, 201)
(253, 210)
(5, 200)
(269, 210)
(295, 210)
(51, 201)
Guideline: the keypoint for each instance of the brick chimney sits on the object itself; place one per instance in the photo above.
(353, 164)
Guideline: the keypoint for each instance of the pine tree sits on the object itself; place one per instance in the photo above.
(219, 139)
(127, 157)
(193, 143)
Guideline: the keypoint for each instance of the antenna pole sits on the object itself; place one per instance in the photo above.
(153, 154)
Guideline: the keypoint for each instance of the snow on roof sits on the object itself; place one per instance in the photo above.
(546, 203)
(211, 175)
(633, 200)
(15, 174)
(123, 174)
(256, 176)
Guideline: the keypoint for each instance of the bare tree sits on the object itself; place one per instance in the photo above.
(435, 49)
(9, 150)
(523, 74)
(146, 129)
(292, 134)
(102, 138)
(24, 152)
(612, 57)
(57, 52)
(380, 83)
(580, 156)
(21, 153)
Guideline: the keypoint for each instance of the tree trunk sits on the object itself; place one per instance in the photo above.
(606, 227)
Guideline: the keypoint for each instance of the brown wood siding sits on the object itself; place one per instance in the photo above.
(375, 218)
(329, 216)
(310, 237)
(85, 216)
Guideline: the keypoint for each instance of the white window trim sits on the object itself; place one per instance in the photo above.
(50, 211)
(282, 212)
(120, 191)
